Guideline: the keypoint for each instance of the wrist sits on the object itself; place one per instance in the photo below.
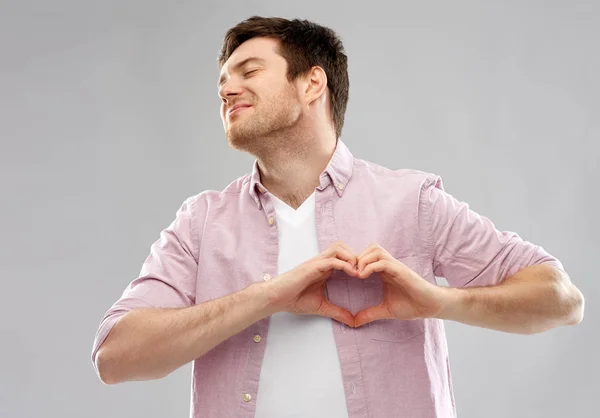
(259, 294)
(455, 302)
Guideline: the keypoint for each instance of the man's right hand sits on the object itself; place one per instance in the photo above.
(150, 343)
(302, 289)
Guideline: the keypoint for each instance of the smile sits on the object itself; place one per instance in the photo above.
(238, 110)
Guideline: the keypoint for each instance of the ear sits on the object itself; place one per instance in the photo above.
(315, 84)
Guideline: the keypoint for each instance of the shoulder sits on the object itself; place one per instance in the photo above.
(411, 178)
(200, 203)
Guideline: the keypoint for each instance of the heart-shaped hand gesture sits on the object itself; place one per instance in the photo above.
(406, 295)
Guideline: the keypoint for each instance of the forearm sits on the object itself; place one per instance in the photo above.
(536, 299)
(148, 344)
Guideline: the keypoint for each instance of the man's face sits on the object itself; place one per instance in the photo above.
(254, 78)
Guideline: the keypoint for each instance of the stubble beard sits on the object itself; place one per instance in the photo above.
(263, 126)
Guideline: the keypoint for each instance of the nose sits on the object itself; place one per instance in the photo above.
(228, 90)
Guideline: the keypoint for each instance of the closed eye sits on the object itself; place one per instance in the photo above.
(250, 72)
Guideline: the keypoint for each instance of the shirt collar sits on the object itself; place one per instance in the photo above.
(337, 173)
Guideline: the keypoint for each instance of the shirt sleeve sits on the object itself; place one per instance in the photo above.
(168, 275)
(465, 247)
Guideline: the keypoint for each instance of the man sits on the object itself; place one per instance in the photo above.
(307, 287)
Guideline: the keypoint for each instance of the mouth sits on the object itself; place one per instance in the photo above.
(236, 110)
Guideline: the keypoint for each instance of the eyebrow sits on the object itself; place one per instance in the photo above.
(241, 64)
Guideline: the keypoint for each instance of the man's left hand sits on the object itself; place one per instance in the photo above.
(406, 295)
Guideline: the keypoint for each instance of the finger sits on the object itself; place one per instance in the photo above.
(330, 264)
(347, 255)
(368, 258)
(336, 312)
(370, 248)
(371, 314)
(374, 267)
(343, 245)
(341, 253)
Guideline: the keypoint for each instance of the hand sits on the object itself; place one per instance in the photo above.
(302, 289)
(406, 295)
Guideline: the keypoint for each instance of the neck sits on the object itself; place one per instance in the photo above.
(291, 171)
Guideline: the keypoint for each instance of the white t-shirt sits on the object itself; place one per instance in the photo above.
(301, 374)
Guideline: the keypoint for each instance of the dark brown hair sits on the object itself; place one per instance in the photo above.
(303, 44)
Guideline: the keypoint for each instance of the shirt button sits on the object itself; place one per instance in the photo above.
(266, 277)
(247, 397)
(256, 338)
(340, 186)
(271, 220)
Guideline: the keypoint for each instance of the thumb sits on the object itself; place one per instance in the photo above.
(371, 314)
(336, 312)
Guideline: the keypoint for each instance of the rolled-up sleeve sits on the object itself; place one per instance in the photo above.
(465, 247)
(168, 275)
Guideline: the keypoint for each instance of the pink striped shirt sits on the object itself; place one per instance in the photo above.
(220, 242)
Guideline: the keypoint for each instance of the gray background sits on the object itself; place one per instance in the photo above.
(109, 120)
